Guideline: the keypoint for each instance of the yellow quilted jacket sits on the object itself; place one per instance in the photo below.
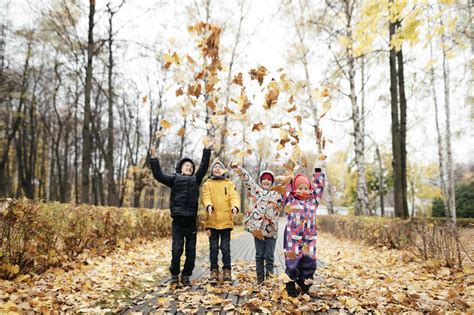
(222, 195)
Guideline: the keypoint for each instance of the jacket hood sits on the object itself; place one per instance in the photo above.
(266, 172)
(293, 186)
(181, 162)
(224, 176)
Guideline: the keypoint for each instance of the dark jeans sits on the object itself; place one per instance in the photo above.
(264, 256)
(224, 236)
(184, 232)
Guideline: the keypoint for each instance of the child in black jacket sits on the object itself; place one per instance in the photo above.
(184, 184)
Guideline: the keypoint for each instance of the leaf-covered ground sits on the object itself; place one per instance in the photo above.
(356, 278)
(99, 284)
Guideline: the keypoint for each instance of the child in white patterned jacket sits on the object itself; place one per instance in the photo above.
(261, 219)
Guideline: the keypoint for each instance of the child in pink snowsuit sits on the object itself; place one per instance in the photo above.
(301, 201)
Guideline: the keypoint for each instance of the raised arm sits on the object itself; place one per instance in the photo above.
(204, 165)
(250, 184)
(167, 180)
(319, 181)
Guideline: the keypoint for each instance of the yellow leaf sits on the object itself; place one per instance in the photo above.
(145, 98)
(165, 124)
(181, 132)
(21, 278)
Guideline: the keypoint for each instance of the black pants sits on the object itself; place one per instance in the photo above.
(184, 231)
(224, 236)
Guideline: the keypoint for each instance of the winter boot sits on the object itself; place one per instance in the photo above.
(186, 281)
(214, 276)
(291, 289)
(227, 275)
(174, 281)
(303, 286)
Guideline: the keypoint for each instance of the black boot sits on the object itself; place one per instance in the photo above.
(186, 281)
(174, 281)
(304, 287)
(291, 289)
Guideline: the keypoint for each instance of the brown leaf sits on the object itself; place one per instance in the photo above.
(292, 109)
(258, 126)
(272, 94)
(179, 92)
(291, 255)
(145, 98)
(290, 100)
(238, 79)
(279, 189)
(190, 60)
(258, 74)
(199, 75)
(211, 104)
(181, 132)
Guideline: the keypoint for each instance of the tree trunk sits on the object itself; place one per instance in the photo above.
(396, 161)
(403, 130)
(112, 198)
(362, 202)
(381, 185)
(86, 130)
(441, 162)
(449, 154)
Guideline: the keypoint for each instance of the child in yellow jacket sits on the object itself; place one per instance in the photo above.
(222, 201)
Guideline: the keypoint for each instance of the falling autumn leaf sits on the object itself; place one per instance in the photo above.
(325, 93)
(291, 100)
(145, 98)
(272, 94)
(165, 124)
(279, 189)
(258, 74)
(211, 104)
(292, 109)
(181, 132)
(238, 79)
(179, 92)
(257, 127)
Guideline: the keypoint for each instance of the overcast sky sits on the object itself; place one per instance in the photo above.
(150, 22)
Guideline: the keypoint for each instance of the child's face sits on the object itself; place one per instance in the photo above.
(266, 184)
(218, 170)
(187, 168)
(303, 188)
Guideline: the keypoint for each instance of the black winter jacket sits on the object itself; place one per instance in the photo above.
(184, 189)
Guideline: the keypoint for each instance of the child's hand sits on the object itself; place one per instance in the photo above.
(210, 208)
(211, 143)
(235, 210)
(208, 232)
(235, 165)
(153, 152)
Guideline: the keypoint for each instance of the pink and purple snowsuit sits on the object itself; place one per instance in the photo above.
(301, 230)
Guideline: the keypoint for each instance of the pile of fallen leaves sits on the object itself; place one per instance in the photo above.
(99, 284)
(356, 278)
(367, 278)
